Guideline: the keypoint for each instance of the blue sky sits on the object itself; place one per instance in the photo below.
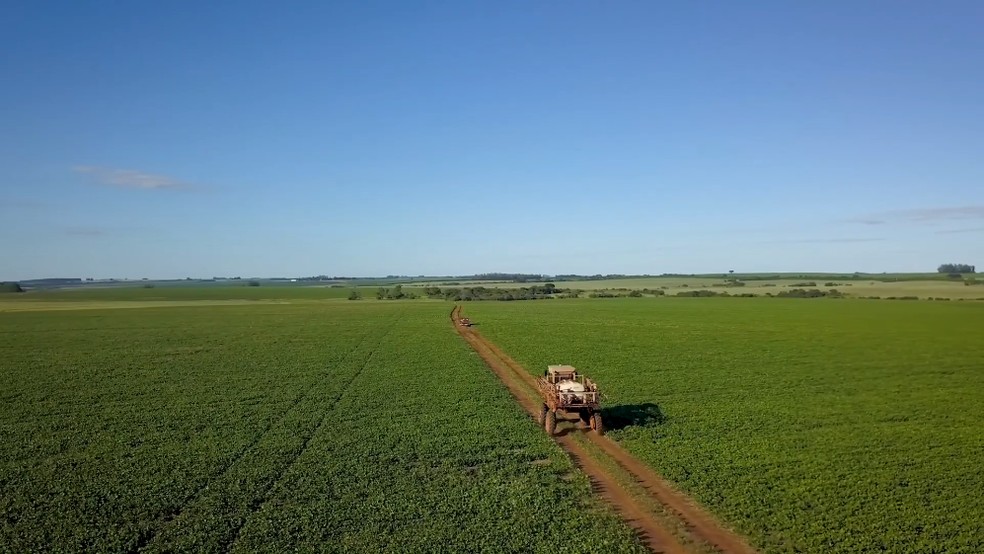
(175, 139)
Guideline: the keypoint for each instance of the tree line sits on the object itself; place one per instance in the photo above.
(535, 292)
(956, 268)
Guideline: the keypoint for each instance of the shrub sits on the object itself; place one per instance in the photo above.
(11, 287)
(252, 283)
(602, 294)
(806, 293)
(699, 293)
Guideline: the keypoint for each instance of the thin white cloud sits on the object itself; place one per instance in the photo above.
(23, 204)
(100, 231)
(86, 231)
(866, 220)
(927, 216)
(954, 231)
(132, 179)
(825, 241)
(943, 214)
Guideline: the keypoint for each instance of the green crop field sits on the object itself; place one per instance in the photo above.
(811, 426)
(315, 425)
(188, 293)
(287, 418)
(120, 297)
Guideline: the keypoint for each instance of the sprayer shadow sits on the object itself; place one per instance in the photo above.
(627, 415)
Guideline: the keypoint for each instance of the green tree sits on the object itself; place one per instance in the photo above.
(11, 287)
(956, 268)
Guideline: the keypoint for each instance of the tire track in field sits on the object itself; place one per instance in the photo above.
(258, 503)
(146, 539)
(652, 534)
(700, 526)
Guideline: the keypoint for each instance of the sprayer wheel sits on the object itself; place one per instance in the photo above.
(596, 423)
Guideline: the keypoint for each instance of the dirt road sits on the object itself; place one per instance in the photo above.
(699, 530)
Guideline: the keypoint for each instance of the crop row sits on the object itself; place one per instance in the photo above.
(347, 428)
(425, 449)
(829, 427)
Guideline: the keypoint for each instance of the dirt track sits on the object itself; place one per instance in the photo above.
(702, 531)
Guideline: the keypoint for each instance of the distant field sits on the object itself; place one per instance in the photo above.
(925, 288)
(811, 426)
(268, 427)
(166, 297)
(171, 293)
(921, 285)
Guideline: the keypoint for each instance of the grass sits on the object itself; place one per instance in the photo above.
(330, 426)
(813, 426)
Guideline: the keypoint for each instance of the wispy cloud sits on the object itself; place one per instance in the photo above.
(943, 214)
(953, 231)
(22, 205)
(927, 216)
(849, 239)
(866, 220)
(845, 240)
(86, 231)
(129, 178)
(99, 231)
